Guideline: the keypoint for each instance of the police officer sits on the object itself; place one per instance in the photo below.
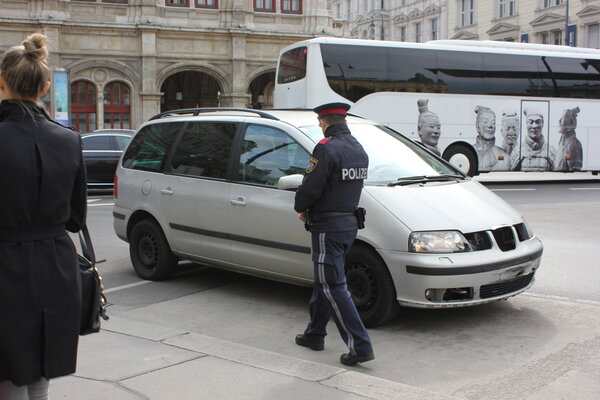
(327, 202)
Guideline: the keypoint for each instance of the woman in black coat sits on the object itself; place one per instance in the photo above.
(42, 177)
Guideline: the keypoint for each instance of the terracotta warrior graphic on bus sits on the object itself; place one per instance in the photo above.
(510, 133)
(536, 153)
(491, 157)
(428, 127)
(569, 156)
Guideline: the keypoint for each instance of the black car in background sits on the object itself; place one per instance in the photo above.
(102, 150)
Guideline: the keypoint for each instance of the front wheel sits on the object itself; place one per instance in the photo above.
(463, 158)
(149, 251)
(371, 286)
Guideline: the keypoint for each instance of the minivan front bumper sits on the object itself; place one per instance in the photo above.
(463, 279)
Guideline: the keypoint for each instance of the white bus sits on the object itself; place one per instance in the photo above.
(481, 105)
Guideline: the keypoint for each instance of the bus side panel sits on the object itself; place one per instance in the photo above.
(505, 116)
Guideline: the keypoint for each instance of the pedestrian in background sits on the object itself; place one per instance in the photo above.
(327, 202)
(43, 177)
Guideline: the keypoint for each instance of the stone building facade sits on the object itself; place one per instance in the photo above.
(533, 21)
(400, 20)
(128, 60)
(131, 59)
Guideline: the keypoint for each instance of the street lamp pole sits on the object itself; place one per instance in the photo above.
(567, 24)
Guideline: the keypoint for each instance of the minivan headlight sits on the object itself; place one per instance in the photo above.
(438, 242)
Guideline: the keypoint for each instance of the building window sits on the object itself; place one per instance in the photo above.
(403, 33)
(593, 37)
(550, 3)
(543, 38)
(348, 10)
(264, 5)
(207, 3)
(117, 106)
(557, 37)
(418, 32)
(295, 7)
(466, 9)
(116, 1)
(506, 8)
(177, 3)
(83, 106)
(434, 29)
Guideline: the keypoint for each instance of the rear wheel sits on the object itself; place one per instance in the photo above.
(150, 253)
(371, 286)
(463, 158)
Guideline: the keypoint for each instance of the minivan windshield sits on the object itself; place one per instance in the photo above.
(393, 159)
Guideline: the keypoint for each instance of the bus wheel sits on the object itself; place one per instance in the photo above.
(149, 251)
(371, 286)
(463, 158)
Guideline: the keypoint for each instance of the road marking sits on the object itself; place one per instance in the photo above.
(512, 190)
(563, 298)
(103, 204)
(587, 188)
(140, 283)
(128, 286)
(92, 200)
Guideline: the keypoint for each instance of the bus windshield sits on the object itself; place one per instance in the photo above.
(392, 157)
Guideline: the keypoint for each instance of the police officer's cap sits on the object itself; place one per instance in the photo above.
(331, 109)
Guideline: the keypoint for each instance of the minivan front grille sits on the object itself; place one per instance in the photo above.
(479, 240)
(504, 287)
(505, 238)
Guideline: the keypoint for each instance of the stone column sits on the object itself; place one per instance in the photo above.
(149, 94)
(238, 96)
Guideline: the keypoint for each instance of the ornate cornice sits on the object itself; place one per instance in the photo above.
(136, 29)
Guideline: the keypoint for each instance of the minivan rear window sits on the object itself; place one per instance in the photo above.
(149, 149)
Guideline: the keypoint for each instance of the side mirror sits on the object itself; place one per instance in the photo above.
(290, 182)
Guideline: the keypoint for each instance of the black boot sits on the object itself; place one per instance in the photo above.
(352, 359)
(302, 340)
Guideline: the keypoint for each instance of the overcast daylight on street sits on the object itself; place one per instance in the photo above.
(422, 174)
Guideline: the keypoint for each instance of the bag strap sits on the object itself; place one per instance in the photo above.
(86, 244)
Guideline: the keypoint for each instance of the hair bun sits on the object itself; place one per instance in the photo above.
(35, 46)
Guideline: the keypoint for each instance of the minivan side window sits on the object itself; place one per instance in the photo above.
(204, 149)
(150, 147)
(267, 154)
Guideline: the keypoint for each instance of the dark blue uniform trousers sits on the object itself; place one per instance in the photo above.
(330, 297)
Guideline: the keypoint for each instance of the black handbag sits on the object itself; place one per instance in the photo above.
(93, 301)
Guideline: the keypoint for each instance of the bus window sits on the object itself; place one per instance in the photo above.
(292, 65)
(565, 77)
(512, 75)
(414, 69)
(460, 71)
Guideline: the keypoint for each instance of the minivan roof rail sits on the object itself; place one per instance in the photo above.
(196, 111)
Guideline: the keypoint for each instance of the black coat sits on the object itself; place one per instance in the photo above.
(42, 177)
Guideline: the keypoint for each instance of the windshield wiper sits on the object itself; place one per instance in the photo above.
(410, 180)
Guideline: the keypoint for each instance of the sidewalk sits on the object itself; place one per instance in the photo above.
(520, 177)
(130, 360)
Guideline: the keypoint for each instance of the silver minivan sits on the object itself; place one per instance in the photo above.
(217, 187)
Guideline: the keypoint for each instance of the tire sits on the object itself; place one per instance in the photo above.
(371, 286)
(149, 251)
(463, 158)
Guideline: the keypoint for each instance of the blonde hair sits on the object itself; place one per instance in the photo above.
(24, 67)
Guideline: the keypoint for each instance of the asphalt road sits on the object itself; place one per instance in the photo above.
(543, 343)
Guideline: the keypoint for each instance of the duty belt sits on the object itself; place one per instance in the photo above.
(317, 216)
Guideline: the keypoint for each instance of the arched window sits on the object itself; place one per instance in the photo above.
(117, 106)
(83, 106)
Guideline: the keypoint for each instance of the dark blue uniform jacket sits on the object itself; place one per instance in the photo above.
(333, 180)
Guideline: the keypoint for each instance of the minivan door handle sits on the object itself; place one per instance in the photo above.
(167, 191)
(239, 202)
